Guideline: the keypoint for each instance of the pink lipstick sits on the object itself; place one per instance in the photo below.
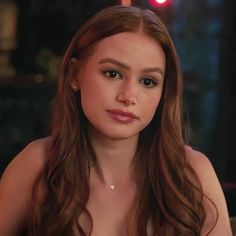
(122, 116)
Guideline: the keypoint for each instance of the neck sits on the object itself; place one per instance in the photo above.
(114, 157)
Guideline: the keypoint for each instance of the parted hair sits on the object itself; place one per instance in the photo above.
(169, 199)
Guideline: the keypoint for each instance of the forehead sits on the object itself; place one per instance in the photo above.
(131, 48)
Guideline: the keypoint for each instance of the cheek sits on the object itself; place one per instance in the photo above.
(87, 89)
(87, 93)
(89, 103)
(94, 99)
(151, 105)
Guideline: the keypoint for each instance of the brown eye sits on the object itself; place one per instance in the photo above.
(148, 82)
(112, 74)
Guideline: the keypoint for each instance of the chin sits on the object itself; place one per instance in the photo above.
(120, 135)
(115, 133)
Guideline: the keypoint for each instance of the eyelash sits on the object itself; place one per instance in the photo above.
(107, 74)
(152, 80)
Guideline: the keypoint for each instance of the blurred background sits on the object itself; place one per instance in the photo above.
(35, 33)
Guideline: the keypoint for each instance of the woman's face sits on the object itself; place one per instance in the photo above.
(121, 84)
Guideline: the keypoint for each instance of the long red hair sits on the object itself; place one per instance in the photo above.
(169, 199)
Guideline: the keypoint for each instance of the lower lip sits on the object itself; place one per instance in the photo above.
(121, 118)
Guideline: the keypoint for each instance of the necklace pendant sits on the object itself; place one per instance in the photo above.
(112, 187)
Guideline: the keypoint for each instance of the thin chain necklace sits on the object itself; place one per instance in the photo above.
(113, 186)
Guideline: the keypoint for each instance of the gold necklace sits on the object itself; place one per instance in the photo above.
(111, 186)
(115, 186)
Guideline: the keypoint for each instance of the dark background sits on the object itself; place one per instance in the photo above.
(204, 33)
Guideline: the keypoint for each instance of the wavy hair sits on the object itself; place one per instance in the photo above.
(169, 200)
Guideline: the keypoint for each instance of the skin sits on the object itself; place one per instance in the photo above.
(106, 84)
(127, 77)
(114, 139)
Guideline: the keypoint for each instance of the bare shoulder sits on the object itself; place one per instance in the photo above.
(16, 186)
(212, 188)
(29, 161)
(32, 157)
(205, 171)
(201, 164)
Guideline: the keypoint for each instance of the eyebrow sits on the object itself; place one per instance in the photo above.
(126, 67)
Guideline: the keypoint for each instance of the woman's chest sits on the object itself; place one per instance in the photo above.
(110, 211)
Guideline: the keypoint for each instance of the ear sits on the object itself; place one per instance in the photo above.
(73, 68)
(74, 84)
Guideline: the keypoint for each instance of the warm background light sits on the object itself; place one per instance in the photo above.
(126, 2)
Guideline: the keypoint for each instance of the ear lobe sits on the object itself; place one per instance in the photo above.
(75, 85)
(72, 62)
(73, 72)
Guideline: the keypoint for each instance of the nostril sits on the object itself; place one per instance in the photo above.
(127, 100)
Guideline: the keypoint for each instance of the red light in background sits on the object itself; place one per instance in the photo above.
(160, 3)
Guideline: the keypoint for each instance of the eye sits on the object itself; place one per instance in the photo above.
(148, 82)
(112, 74)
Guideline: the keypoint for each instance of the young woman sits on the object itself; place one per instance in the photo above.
(116, 162)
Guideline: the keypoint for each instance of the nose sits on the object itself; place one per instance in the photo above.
(127, 95)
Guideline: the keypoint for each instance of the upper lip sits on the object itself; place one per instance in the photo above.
(123, 113)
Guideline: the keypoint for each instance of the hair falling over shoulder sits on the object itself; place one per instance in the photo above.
(169, 200)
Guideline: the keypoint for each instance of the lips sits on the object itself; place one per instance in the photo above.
(122, 116)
